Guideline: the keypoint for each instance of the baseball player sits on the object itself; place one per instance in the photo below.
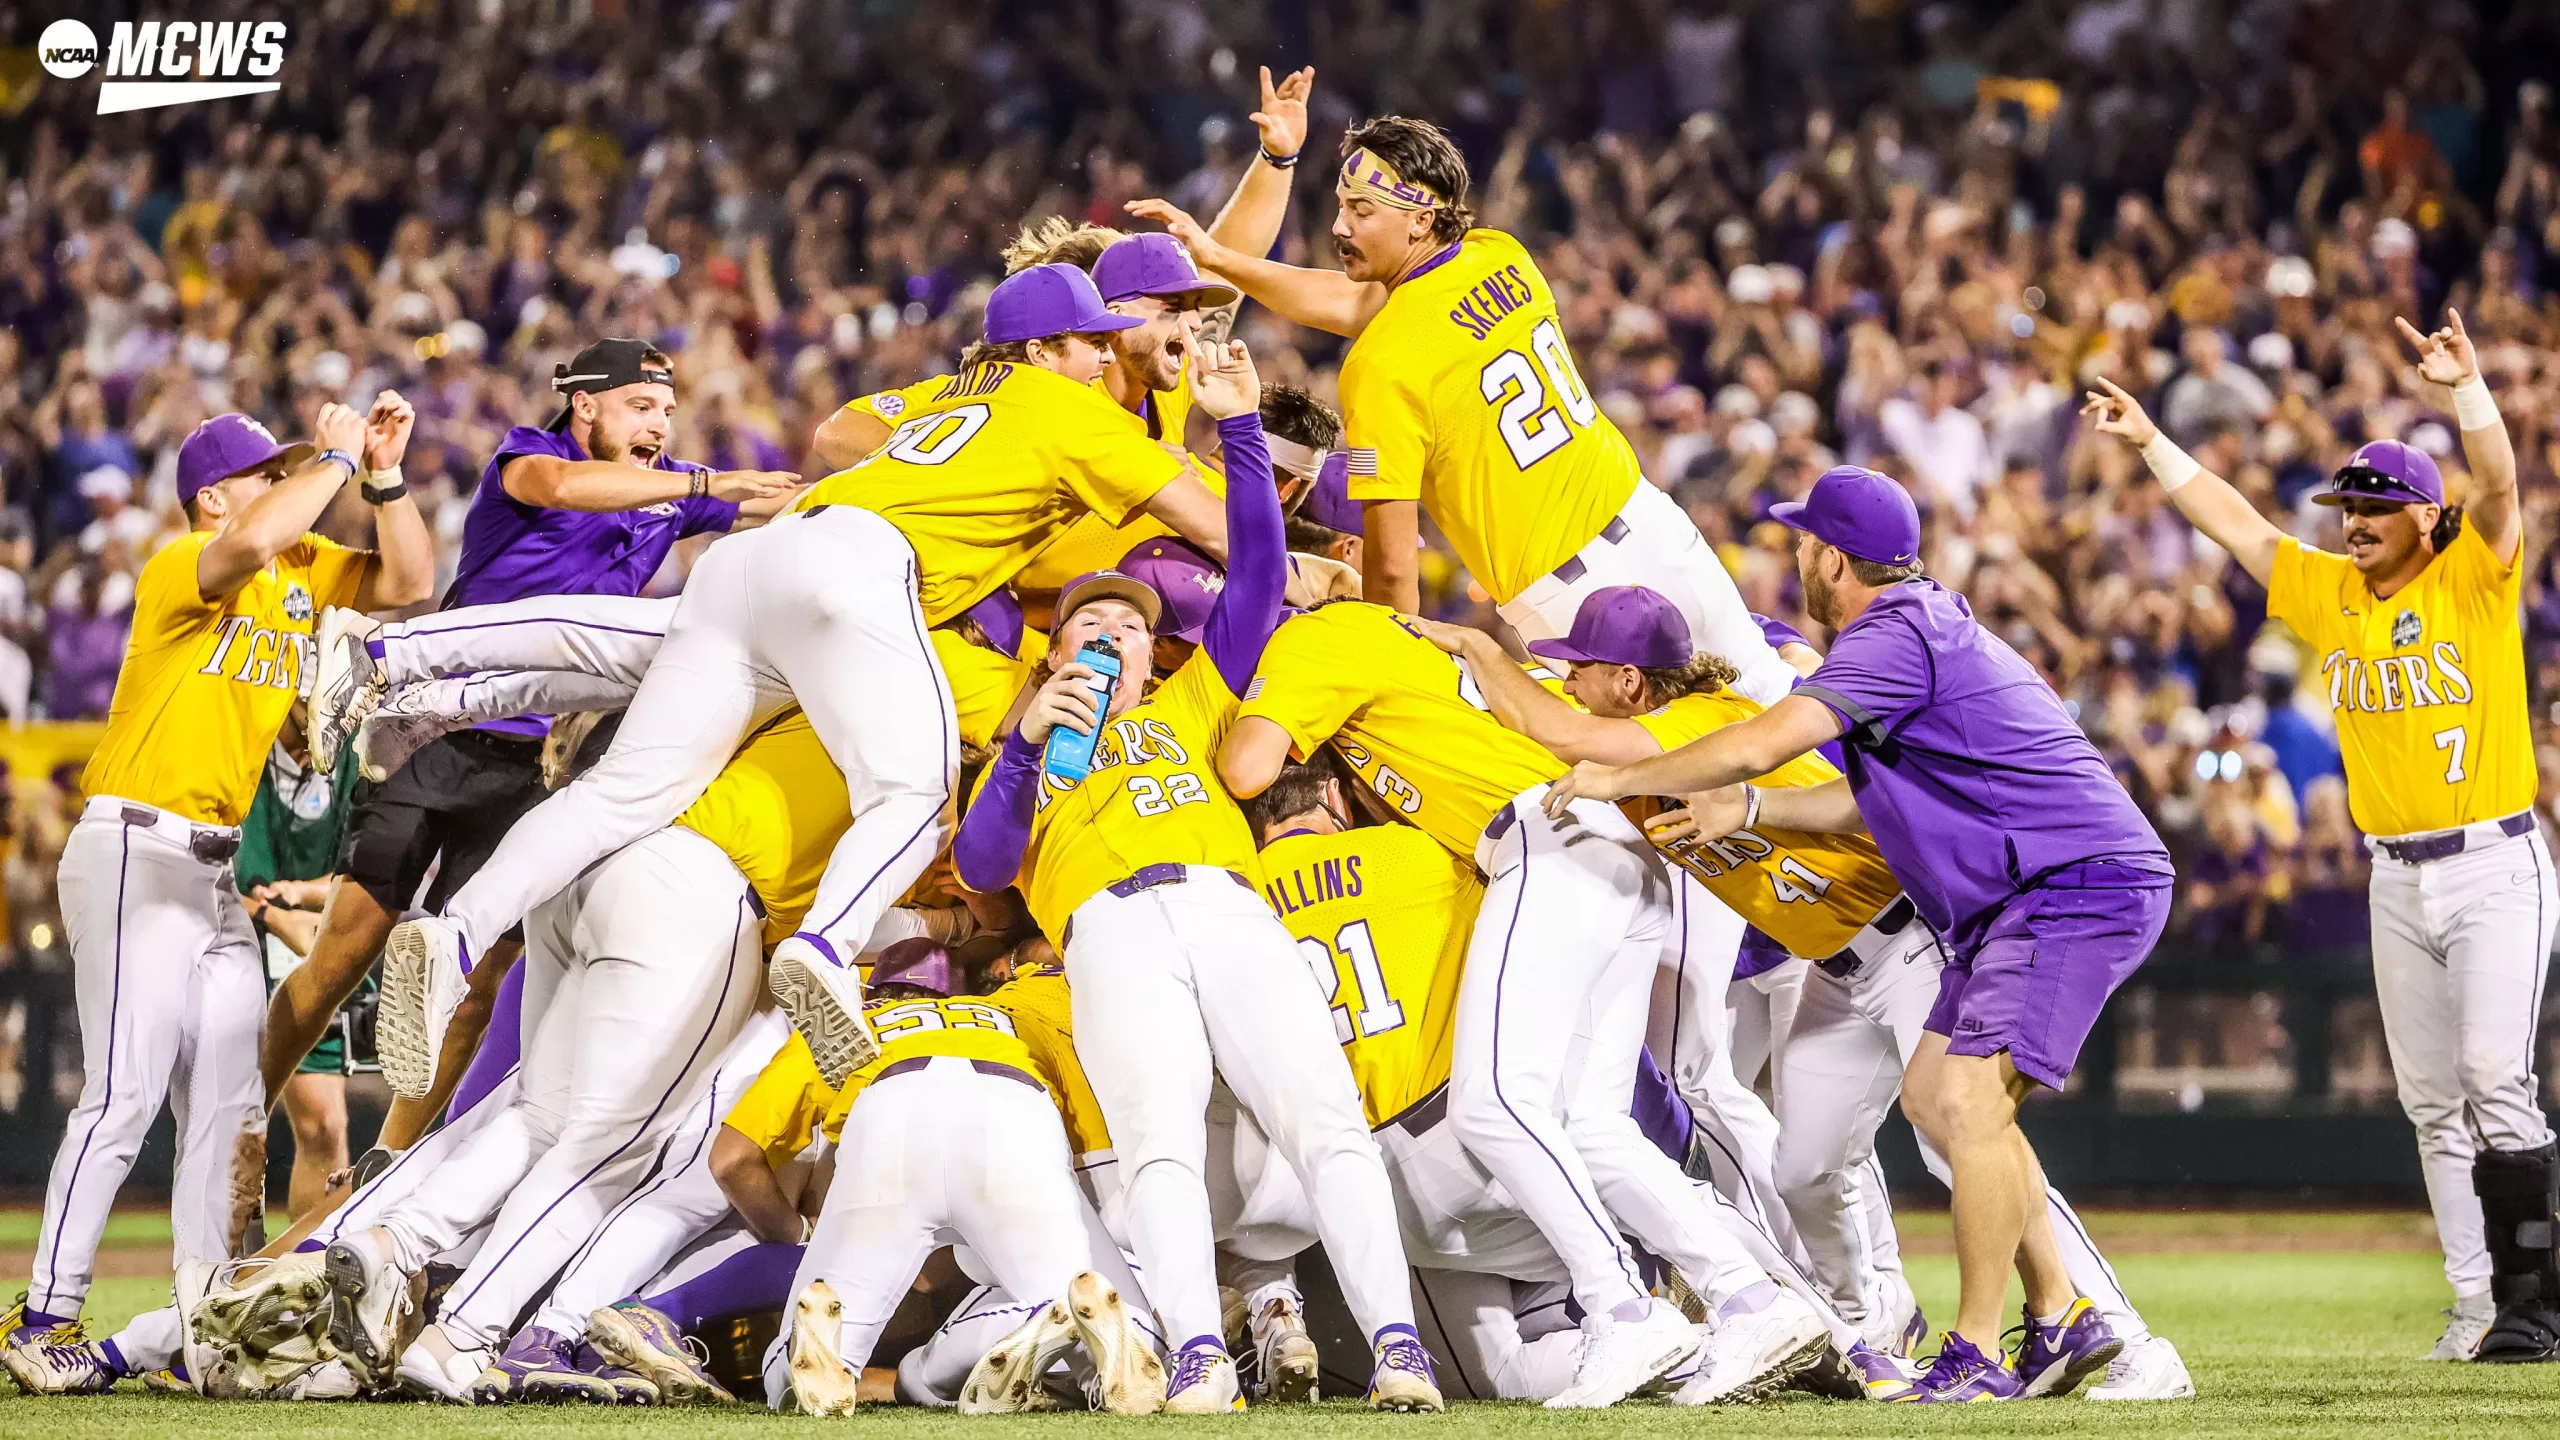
(587, 504)
(1460, 396)
(166, 970)
(2015, 843)
(1869, 987)
(1383, 915)
(1136, 870)
(830, 609)
(2416, 627)
(1546, 1053)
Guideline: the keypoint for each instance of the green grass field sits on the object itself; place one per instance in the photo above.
(2285, 1340)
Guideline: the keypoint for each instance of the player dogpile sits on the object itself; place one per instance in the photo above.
(1040, 839)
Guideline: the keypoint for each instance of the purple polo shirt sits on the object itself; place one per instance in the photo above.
(511, 550)
(1974, 781)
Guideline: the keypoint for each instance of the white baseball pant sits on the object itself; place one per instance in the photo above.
(1688, 1030)
(933, 1373)
(1550, 1022)
(1847, 1045)
(941, 1154)
(817, 609)
(414, 1166)
(1167, 983)
(1758, 1009)
(1654, 543)
(610, 637)
(172, 1001)
(2460, 949)
(1496, 1338)
(681, 1201)
(640, 976)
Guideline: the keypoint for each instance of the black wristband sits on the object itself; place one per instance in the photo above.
(701, 484)
(385, 497)
(372, 1163)
(1279, 162)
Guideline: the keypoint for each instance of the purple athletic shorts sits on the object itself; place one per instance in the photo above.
(2045, 965)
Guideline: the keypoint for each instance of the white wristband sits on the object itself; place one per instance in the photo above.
(2171, 466)
(2474, 407)
(1750, 806)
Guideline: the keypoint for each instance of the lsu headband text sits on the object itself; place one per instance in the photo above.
(1364, 173)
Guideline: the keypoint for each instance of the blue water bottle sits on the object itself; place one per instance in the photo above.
(1069, 755)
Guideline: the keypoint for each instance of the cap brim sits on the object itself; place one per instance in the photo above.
(1790, 513)
(2402, 497)
(1107, 322)
(293, 454)
(1207, 295)
(1562, 650)
(1108, 587)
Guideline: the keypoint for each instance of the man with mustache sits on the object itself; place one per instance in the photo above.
(2417, 630)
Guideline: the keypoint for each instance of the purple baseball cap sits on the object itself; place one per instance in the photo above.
(1623, 625)
(917, 961)
(1095, 585)
(2386, 470)
(1049, 300)
(1156, 264)
(1328, 502)
(1860, 512)
(226, 445)
(1186, 580)
(1000, 615)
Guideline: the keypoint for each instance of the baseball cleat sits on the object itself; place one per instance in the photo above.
(1963, 1375)
(256, 1303)
(2149, 1369)
(1201, 1380)
(1404, 1379)
(633, 1337)
(1284, 1353)
(1007, 1379)
(21, 1326)
(373, 1306)
(328, 1380)
(346, 681)
(2467, 1320)
(424, 977)
(166, 1381)
(2054, 1359)
(81, 1369)
(823, 999)
(1884, 1377)
(537, 1367)
(431, 1367)
(821, 1383)
(227, 1372)
(1620, 1357)
(406, 723)
(1753, 1356)
(1128, 1378)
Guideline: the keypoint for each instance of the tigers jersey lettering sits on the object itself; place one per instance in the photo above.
(205, 685)
(1810, 893)
(964, 1026)
(781, 1110)
(1382, 917)
(1462, 394)
(1152, 798)
(1043, 1015)
(1400, 710)
(997, 464)
(2427, 686)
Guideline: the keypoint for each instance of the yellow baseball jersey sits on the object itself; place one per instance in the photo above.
(1462, 394)
(966, 1026)
(1001, 461)
(2427, 686)
(206, 685)
(1403, 712)
(1810, 893)
(1044, 1017)
(1152, 798)
(1382, 916)
(984, 682)
(781, 1110)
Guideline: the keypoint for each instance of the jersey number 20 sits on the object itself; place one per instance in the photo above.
(1529, 424)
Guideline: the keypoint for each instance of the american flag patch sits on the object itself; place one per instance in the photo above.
(1363, 462)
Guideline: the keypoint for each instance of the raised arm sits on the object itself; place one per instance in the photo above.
(1728, 757)
(2206, 499)
(1524, 705)
(2446, 359)
(1247, 610)
(277, 520)
(1326, 300)
(404, 572)
(1253, 215)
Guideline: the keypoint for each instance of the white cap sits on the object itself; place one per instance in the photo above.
(1749, 285)
(2394, 237)
(104, 481)
(2290, 277)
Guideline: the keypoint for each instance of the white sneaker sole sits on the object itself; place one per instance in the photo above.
(839, 1039)
(372, 1351)
(1130, 1377)
(339, 702)
(1599, 1397)
(1007, 1379)
(621, 1343)
(279, 1301)
(1291, 1374)
(819, 1382)
(1774, 1375)
(408, 1034)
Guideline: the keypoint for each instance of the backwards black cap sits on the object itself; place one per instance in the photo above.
(608, 365)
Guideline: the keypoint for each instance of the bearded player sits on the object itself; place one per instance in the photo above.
(2416, 627)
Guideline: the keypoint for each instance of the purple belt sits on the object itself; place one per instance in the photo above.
(1149, 877)
(2448, 842)
(914, 1063)
(1573, 569)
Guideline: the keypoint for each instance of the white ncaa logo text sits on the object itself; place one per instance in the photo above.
(152, 63)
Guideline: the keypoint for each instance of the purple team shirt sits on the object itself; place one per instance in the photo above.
(1974, 781)
(511, 550)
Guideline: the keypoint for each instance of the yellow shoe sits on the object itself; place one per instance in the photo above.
(820, 1383)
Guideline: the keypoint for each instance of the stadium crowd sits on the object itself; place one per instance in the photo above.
(1897, 235)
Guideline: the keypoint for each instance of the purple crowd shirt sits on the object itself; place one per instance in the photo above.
(1974, 781)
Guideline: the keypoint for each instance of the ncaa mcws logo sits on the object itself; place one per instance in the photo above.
(155, 63)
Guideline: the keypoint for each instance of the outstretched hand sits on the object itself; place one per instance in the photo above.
(2446, 357)
(2119, 414)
